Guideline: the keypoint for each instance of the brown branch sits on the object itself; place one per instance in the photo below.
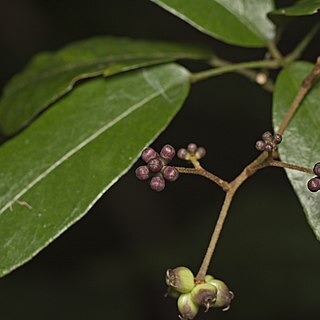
(305, 87)
(280, 164)
(202, 172)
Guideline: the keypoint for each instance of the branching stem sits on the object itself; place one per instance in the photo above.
(270, 64)
(262, 161)
(296, 53)
(305, 87)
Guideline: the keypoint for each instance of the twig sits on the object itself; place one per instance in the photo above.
(202, 172)
(305, 87)
(296, 53)
(280, 164)
(252, 75)
(275, 51)
(263, 160)
(248, 171)
(198, 76)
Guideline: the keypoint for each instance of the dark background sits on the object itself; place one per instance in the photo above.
(111, 264)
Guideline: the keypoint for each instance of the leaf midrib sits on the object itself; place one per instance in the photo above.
(110, 59)
(85, 142)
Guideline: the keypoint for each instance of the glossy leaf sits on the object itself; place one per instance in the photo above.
(50, 75)
(301, 141)
(54, 172)
(300, 8)
(241, 22)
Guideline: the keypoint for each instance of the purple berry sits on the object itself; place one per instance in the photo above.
(268, 147)
(316, 169)
(148, 154)
(267, 136)
(170, 173)
(200, 153)
(167, 152)
(314, 184)
(183, 154)
(142, 173)
(157, 183)
(277, 138)
(155, 165)
(192, 147)
(260, 145)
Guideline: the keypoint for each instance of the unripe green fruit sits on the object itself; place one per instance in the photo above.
(208, 278)
(204, 294)
(224, 295)
(172, 293)
(180, 279)
(187, 308)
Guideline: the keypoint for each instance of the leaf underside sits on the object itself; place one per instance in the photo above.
(242, 22)
(301, 141)
(53, 172)
(51, 75)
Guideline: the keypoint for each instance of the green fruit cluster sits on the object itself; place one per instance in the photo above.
(191, 293)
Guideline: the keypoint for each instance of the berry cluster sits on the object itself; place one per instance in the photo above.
(192, 151)
(157, 167)
(269, 142)
(314, 183)
(212, 293)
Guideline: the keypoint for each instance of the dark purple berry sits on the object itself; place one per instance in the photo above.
(260, 145)
(157, 183)
(267, 136)
(183, 154)
(142, 173)
(314, 184)
(200, 153)
(155, 165)
(167, 152)
(316, 169)
(148, 154)
(170, 173)
(277, 138)
(268, 147)
(192, 147)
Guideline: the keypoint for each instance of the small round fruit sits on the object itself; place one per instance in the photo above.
(192, 147)
(142, 173)
(183, 154)
(155, 165)
(208, 278)
(167, 152)
(181, 279)
(170, 173)
(268, 147)
(157, 183)
(316, 169)
(260, 145)
(314, 184)
(267, 136)
(200, 153)
(224, 295)
(187, 308)
(277, 138)
(148, 154)
(204, 294)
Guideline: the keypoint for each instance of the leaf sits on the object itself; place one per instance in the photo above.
(51, 75)
(300, 8)
(53, 172)
(301, 143)
(241, 22)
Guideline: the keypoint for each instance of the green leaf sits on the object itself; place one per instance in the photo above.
(301, 143)
(300, 8)
(53, 172)
(241, 22)
(51, 75)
